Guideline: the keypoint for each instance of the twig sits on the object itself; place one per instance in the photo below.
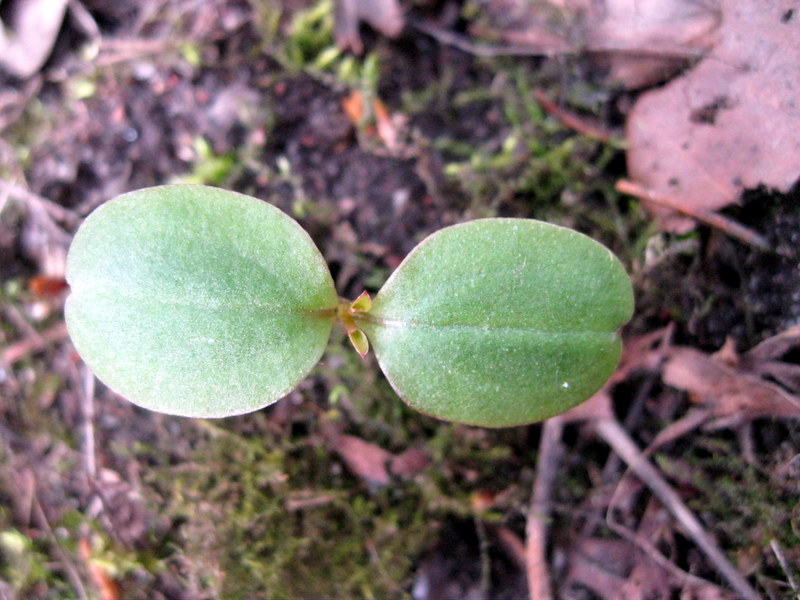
(653, 553)
(29, 345)
(15, 317)
(552, 47)
(619, 440)
(294, 504)
(71, 570)
(87, 404)
(124, 50)
(778, 552)
(572, 120)
(693, 419)
(55, 212)
(614, 462)
(12, 105)
(537, 526)
(513, 545)
(86, 21)
(4, 196)
(724, 224)
(448, 38)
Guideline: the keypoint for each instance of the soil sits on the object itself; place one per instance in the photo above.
(142, 498)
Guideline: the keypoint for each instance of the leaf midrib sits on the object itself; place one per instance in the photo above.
(272, 307)
(388, 322)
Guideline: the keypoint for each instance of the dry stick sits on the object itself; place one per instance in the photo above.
(551, 47)
(84, 19)
(465, 44)
(124, 50)
(787, 568)
(537, 525)
(66, 563)
(572, 120)
(619, 440)
(20, 323)
(29, 345)
(54, 211)
(655, 555)
(4, 196)
(87, 404)
(613, 463)
(693, 419)
(729, 226)
(17, 102)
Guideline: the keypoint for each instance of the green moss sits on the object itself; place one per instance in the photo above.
(266, 508)
(279, 518)
(22, 566)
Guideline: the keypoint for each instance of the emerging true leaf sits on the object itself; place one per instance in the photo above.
(500, 321)
(196, 301)
(359, 341)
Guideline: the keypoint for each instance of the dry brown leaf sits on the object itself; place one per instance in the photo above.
(641, 41)
(731, 122)
(728, 391)
(384, 15)
(647, 40)
(647, 579)
(409, 462)
(599, 572)
(367, 460)
(374, 464)
(602, 419)
(26, 41)
(652, 573)
(766, 359)
(615, 554)
(546, 27)
(774, 347)
(653, 26)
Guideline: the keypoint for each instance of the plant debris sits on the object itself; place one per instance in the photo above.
(338, 490)
(729, 123)
(384, 15)
(30, 34)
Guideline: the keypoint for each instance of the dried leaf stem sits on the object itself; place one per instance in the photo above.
(572, 120)
(538, 521)
(724, 224)
(615, 436)
(18, 350)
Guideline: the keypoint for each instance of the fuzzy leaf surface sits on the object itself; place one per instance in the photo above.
(500, 322)
(196, 301)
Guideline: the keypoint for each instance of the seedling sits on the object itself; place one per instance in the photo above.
(195, 301)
